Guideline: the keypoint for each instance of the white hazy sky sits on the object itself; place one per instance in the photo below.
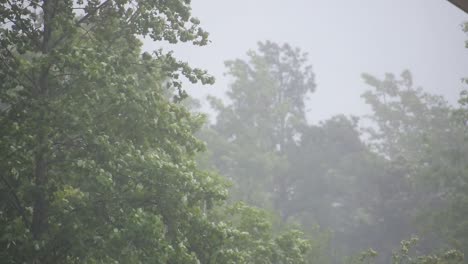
(343, 38)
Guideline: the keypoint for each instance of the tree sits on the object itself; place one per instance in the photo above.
(263, 119)
(97, 163)
(253, 239)
(405, 117)
(404, 255)
(341, 185)
(425, 144)
(93, 156)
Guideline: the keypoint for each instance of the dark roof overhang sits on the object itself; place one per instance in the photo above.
(462, 4)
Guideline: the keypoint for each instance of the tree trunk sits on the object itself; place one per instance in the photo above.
(40, 207)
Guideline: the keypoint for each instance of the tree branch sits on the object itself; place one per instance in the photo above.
(17, 202)
(81, 21)
(23, 26)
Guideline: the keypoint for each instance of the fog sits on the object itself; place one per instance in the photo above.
(325, 182)
(343, 38)
(241, 131)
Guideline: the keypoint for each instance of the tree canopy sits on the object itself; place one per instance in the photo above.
(103, 160)
(97, 161)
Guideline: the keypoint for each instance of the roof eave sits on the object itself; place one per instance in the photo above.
(462, 4)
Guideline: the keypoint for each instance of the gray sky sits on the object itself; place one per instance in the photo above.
(343, 38)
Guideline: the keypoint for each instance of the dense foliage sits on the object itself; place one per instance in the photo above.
(399, 172)
(97, 162)
(101, 153)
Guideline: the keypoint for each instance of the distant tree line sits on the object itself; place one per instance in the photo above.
(403, 172)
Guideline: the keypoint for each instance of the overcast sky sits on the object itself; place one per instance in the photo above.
(343, 38)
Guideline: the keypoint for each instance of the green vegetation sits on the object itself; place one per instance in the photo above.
(97, 163)
(102, 162)
(402, 173)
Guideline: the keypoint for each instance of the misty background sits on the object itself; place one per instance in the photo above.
(343, 39)
(105, 159)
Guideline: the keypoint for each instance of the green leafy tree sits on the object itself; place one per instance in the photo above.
(405, 117)
(262, 120)
(322, 165)
(254, 240)
(95, 161)
(404, 256)
(425, 144)
(97, 164)
(342, 186)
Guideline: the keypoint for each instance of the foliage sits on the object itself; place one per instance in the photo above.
(423, 137)
(264, 117)
(97, 164)
(253, 239)
(375, 182)
(403, 256)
